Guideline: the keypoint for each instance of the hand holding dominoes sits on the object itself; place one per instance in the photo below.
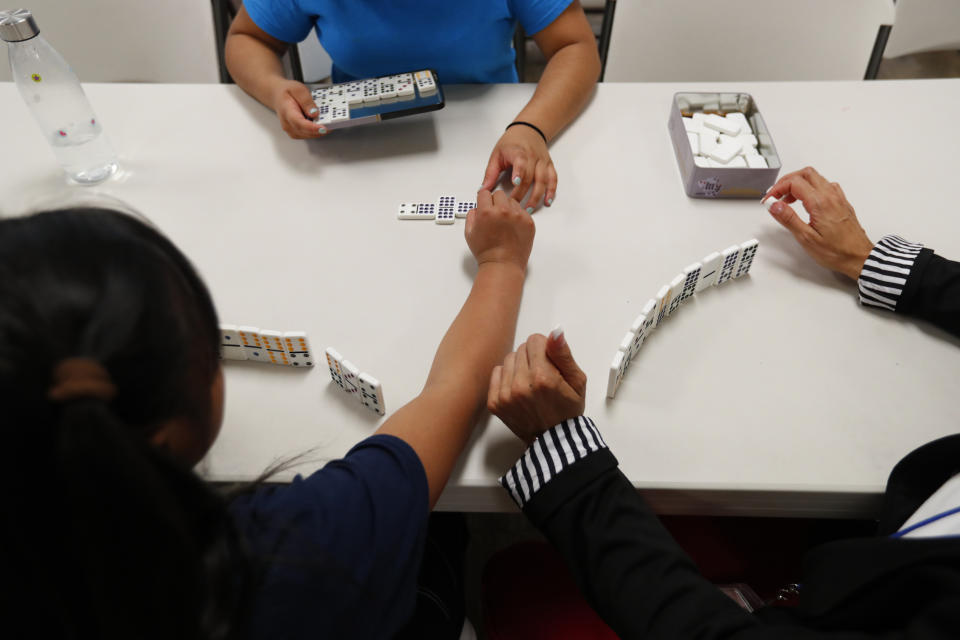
(537, 386)
(834, 237)
(296, 109)
(523, 150)
(499, 231)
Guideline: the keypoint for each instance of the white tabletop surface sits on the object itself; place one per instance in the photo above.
(776, 394)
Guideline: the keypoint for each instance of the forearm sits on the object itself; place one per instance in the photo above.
(566, 85)
(254, 66)
(438, 422)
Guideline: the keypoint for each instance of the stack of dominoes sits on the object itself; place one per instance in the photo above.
(334, 102)
(290, 349)
(715, 269)
(443, 211)
(723, 141)
(361, 386)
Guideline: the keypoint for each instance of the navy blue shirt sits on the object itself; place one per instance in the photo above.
(341, 549)
(462, 40)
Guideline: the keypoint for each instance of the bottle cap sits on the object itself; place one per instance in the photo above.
(17, 25)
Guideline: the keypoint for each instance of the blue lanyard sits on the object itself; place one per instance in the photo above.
(924, 523)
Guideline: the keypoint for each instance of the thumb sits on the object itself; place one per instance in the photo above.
(558, 351)
(786, 216)
(302, 95)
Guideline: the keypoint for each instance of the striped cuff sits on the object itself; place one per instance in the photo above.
(553, 451)
(885, 272)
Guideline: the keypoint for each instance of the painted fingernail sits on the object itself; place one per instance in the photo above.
(776, 207)
(549, 201)
(556, 333)
(314, 111)
(516, 180)
(530, 210)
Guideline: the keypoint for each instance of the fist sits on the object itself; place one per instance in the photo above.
(499, 230)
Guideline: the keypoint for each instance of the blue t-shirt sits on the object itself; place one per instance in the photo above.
(462, 40)
(341, 549)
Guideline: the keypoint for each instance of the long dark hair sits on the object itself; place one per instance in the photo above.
(103, 534)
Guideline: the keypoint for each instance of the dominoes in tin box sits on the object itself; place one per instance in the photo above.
(252, 343)
(445, 209)
(747, 251)
(464, 207)
(336, 372)
(298, 348)
(729, 262)
(230, 346)
(276, 352)
(371, 393)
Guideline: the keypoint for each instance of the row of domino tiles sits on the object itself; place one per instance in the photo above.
(442, 212)
(714, 269)
(723, 141)
(291, 348)
(362, 386)
(334, 102)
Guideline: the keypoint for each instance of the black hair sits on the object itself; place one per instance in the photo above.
(104, 535)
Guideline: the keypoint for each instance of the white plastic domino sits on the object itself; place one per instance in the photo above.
(387, 88)
(371, 92)
(230, 346)
(425, 83)
(371, 393)
(350, 375)
(252, 344)
(298, 348)
(747, 251)
(663, 299)
(725, 151)
(756, 161)
(721, 124)
(739, 119)
(737, 162)
(649, 311)
(340, 113)
(709, 271)
(334, 360)
(676, 288)
(768, 202)
(616, 373)
(445, 209)
(692, 277)
(729, 262)
(694, 139)
(639, 331)
(626, 345)
(427, 211)
(409, 211)
(464, 207)
(276, 351)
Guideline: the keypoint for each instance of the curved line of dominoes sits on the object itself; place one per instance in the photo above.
(715, 269)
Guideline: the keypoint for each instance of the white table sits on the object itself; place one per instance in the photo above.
(773, 395)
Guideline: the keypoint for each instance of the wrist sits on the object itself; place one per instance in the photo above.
(501, 268)
(855, 264)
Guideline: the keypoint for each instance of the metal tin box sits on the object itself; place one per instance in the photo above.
(721, 182)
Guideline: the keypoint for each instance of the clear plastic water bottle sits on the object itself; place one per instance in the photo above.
(54, 96)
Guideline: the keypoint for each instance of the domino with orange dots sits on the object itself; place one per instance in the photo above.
(252, 343)
(298, 348)
(333, 361)
(230, 345)
(273, 341)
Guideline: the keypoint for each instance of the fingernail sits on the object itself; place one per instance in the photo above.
(549, 201)
(776, 207)
(769, 202)
(557, 332)
(530, 210)
(314, 111)
(516, 181)
(322, 131)
(480, 188)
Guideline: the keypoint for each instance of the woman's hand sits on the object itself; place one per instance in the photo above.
(834, 237)
(296, 109)
(525, 151)
(537, 386)
(499, 231)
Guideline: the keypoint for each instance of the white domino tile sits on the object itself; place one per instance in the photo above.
(728, 263)
(722, 124)
(464, 207)
(334, 361)
(639, 331)
(740, 120)
(694, 139)
(298, 348)
(617, 368)
(691, 278)
(676, 288)
(371, 92)
(649, 312)
(663, 299)
(709, 271)
(415, 211)
(350, 375)
(626, 345)
(230, 346)
(445, 209)
(425, 82)
(387, 89)
(371, 393)
(276, 350)
(340, 113)
(726, 151)
(252, 344)
(747, 251)
(756, 162)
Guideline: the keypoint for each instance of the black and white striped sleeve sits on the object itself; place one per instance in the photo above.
(886, 270)
(553, 451)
